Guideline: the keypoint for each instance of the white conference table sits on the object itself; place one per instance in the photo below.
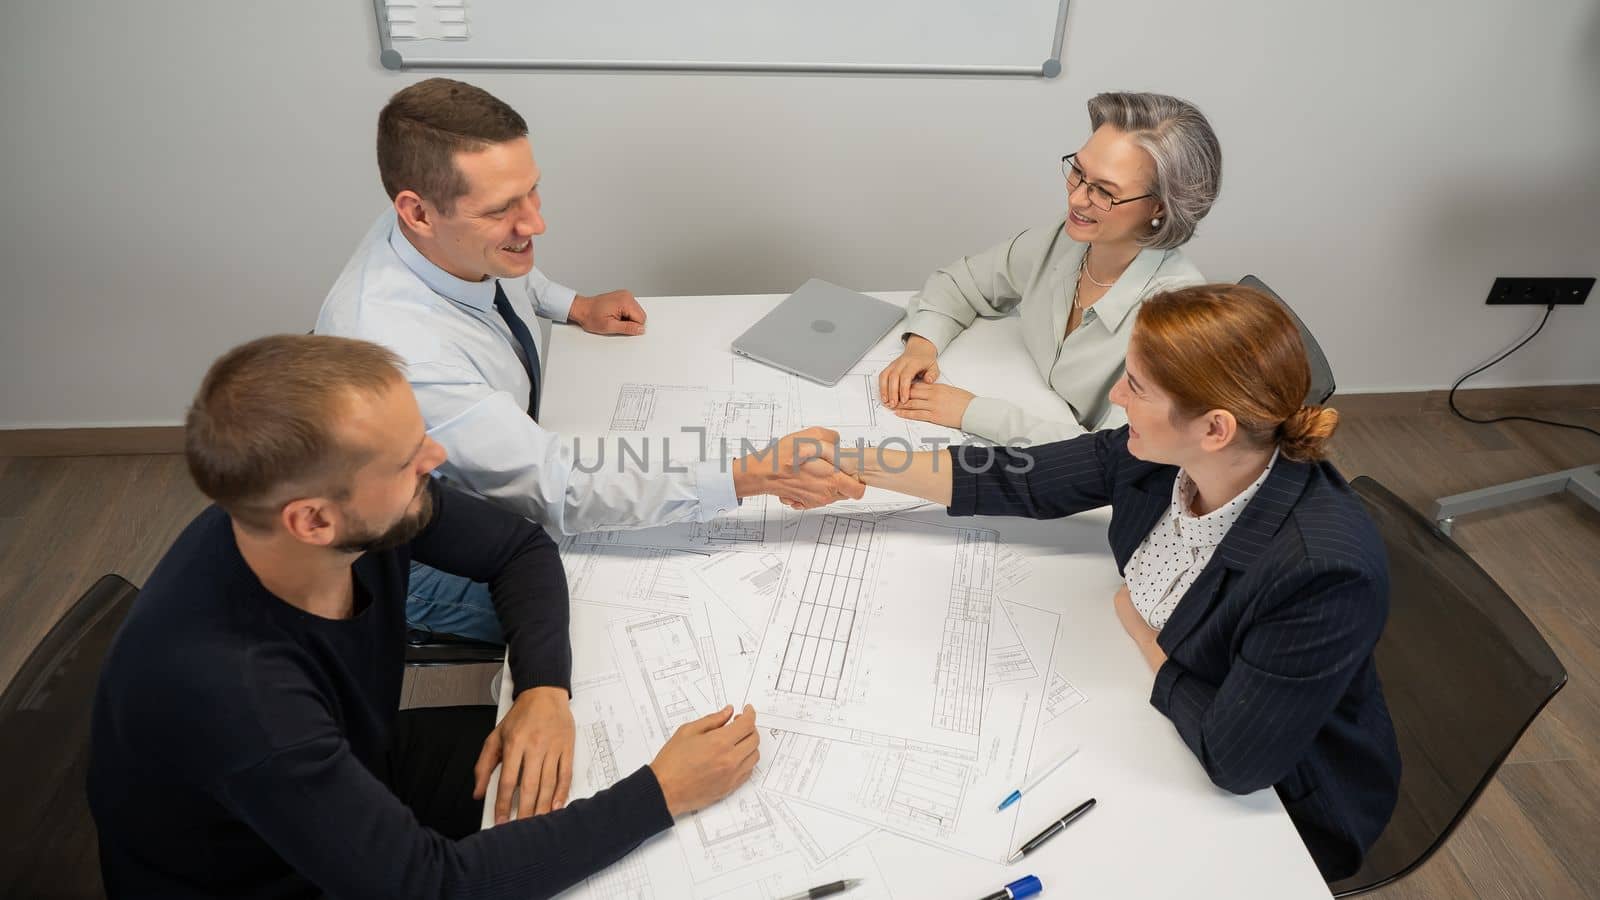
(1160, 829)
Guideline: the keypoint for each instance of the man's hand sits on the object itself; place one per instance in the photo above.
(941, 404)
(614, 312)
(704, 761)
(533, 747)
(1138, 629)
(920, 360)
(799, 469)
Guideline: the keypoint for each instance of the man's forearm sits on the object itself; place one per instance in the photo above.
(531, 601)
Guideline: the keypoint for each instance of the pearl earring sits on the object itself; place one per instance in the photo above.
(1155, 223)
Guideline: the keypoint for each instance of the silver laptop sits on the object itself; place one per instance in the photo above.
(819, 332)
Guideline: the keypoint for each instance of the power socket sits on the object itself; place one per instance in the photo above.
(1539, 291)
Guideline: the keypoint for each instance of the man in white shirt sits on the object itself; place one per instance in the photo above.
(445, 279)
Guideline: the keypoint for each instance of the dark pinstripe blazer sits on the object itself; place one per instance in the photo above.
(1269, 675)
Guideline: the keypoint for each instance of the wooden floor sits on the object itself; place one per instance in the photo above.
(1535, 833)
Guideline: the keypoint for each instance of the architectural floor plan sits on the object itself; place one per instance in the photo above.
(651, 673)
(864, 603)
(929, 792)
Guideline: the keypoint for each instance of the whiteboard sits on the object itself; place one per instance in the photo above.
(959, 37)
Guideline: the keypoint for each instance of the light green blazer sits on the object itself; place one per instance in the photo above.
(1038, 270)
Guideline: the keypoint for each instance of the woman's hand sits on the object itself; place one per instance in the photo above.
(919, 360)
(1138, 629)
(941, 404)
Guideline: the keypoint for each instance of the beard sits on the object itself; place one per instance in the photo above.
(364, 538)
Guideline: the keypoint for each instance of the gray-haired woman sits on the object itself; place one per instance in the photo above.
(1136, 190)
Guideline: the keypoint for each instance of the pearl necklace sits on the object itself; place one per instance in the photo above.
(1090, 274)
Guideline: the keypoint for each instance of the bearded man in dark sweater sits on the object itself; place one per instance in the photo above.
(247, 736)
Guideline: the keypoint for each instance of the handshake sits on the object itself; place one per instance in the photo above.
(800, 469)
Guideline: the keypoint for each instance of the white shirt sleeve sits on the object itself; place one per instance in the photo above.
(498, 451)
(550, 300)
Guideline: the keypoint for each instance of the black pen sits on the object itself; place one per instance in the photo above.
(824, 890)
(1055, 828)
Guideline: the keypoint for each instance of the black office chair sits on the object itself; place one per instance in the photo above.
(1322, 384)
(1464, 673)
(47, 838)
(431, 648)
(48, 847)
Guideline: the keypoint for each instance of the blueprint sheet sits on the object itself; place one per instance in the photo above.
(852, 407)
(882, 625)
(898, 687)
(762, 404)
(927, 792)
(637, 676)
(661, 637)
(905, 694)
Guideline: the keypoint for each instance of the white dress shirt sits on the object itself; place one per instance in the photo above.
(1166, 564)
(473, 389)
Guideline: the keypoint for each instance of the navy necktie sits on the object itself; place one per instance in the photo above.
(530, 348)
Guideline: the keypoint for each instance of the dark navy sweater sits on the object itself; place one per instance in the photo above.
(236, 737)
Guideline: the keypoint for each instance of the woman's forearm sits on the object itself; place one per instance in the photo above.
(925, 474)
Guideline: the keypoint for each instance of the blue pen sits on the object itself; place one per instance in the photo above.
(1033, 782)
(1026, 886)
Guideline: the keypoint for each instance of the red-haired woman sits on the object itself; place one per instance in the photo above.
(1256, 586)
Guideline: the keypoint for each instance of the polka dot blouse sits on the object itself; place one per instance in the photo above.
(1165, 566)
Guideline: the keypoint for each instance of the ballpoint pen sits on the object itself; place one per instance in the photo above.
(824, 890)
(1026, 886)
(1054, 829)
(1033, 782)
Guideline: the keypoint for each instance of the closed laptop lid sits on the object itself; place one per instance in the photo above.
(819, 331)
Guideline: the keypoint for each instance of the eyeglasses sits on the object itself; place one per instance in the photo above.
(1099, 197)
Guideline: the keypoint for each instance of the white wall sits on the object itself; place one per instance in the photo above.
(173, 184)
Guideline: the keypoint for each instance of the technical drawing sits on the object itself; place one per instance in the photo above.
(921, 789)
(961, 670)
(745, 526)
(823, 835)
(852, 619)
(644, 672)
(682, 680)
(603, 759)
(1060, 696)
(1008, 655)
(819, 635)
(635, 403)
(927, 791)
(732, 416)
(852, 407)
(1010, 664)
(914, 792)
(759, 524)
(730, 821)
(724, 425)
(644, 578)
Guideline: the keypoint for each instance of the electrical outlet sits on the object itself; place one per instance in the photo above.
(1539, 291)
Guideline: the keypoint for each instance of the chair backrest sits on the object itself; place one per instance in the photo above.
(1464, 673)
(48, 847)
(1322, 384)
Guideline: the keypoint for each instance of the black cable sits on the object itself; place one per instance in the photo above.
(1451, 399)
